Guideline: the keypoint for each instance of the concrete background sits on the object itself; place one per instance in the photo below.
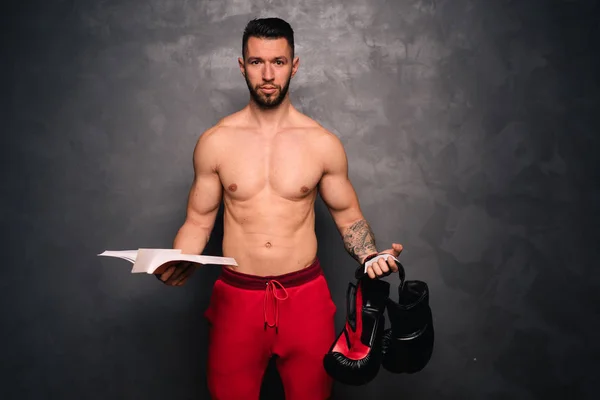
(471, 129)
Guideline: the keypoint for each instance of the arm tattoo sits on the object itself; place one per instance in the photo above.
(359, 240)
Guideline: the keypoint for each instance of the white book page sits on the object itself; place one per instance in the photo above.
(149, 260)
(128, 255)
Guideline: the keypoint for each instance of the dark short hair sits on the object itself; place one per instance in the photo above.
(271, 28)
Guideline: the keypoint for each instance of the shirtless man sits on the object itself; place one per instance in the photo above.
(266, 163)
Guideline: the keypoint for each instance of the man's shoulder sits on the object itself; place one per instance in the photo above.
(325, 140)
(213, 140)
(324, 144)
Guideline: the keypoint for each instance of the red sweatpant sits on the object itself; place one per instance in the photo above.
(254, 318)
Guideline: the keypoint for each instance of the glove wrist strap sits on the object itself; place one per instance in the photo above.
(373, 258)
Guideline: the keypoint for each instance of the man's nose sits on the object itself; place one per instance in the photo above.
(268, 74)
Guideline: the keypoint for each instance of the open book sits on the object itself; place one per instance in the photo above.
(149, 260)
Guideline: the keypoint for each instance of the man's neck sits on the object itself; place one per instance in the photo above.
(270, 120)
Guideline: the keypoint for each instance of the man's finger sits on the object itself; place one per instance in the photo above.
(179, 269)
(392, 263)
(183, 279)
(370, 272)
(376, 268)
(186, 272)
(383, 266)
(167, 274)
(397, 248)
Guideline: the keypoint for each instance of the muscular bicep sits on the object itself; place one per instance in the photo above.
(335, 187)
(337, 192)
(206, 191)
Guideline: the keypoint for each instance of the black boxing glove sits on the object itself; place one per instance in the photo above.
(408, 345)
(355, 356)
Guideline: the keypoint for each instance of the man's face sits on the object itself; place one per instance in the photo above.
(268, 69)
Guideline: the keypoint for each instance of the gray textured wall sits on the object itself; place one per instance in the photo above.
(471, 130)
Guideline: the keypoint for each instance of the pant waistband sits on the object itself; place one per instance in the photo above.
(291, 279)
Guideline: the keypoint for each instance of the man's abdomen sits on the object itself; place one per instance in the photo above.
(269, 244)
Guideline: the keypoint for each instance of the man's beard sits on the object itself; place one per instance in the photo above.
(268, 101)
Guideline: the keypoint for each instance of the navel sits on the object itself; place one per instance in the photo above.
(268, 245)
(233, 187)
(304, 189)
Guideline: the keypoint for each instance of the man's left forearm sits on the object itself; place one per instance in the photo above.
(359, 240)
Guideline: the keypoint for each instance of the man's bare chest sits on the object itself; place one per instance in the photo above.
(287, 168)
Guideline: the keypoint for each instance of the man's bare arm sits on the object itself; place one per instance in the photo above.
(340, 197)
(204, 198)
(203, 204)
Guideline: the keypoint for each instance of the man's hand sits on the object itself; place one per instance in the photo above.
(385, 266)
(175, 273)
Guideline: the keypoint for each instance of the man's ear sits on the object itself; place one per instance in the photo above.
(242, 67)
(295, 65)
